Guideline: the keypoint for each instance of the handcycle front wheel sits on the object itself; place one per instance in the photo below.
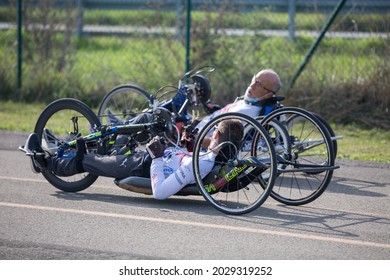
(305, 172)
(237, 186)
(62, 121)
(122, 104)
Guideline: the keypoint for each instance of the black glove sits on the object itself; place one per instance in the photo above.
(188, 137)
(156, 147)
(211, 107)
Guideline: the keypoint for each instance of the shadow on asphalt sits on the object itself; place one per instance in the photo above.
(305, 219)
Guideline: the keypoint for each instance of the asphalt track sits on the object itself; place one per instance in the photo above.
(350, 221)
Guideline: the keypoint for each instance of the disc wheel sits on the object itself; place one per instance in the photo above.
(241, 188)
(62, 121)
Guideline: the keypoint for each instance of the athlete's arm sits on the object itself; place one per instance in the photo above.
(165, 187)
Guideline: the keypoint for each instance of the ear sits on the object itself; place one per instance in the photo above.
(214, 137)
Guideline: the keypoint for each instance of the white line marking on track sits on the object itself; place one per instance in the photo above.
(95, 185)
(202, 225)
(43, 181)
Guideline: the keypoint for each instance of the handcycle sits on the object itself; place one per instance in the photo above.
(66, 119)
(305, 143)
(234, 186)
(243, 176)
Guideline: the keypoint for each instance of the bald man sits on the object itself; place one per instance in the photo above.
(255, 102)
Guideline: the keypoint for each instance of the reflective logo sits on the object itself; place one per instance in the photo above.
(167, 153)
(168, 170)
(123, 163)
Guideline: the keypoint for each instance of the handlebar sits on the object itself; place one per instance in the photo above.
(193, 89)
(197, 71)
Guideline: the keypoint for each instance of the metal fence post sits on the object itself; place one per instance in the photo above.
(291, 19)
(79, 19)
(188, 35)
(19, 73)
(179, 19)
(316, 43)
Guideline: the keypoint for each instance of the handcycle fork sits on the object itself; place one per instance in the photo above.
(75, 125)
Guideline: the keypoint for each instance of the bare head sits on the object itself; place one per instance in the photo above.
(264, 85)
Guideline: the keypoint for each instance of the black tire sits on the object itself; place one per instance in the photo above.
(331, 132)
(57, 117)
(124, 102)
(308, 168)
(244, 188)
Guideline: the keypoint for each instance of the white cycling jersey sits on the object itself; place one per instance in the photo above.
(239, 106)
(170, 173)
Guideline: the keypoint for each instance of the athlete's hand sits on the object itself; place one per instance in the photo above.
(156, 147)
(211, 107)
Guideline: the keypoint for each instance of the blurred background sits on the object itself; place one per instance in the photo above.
(332, 56)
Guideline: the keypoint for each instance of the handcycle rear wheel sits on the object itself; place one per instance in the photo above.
(62, 121)
(308, 168)
(123, 103)
(240, 189)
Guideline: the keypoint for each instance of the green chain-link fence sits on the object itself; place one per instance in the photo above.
(80, 48)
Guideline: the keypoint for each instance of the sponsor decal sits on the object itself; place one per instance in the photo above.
(217, 184)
